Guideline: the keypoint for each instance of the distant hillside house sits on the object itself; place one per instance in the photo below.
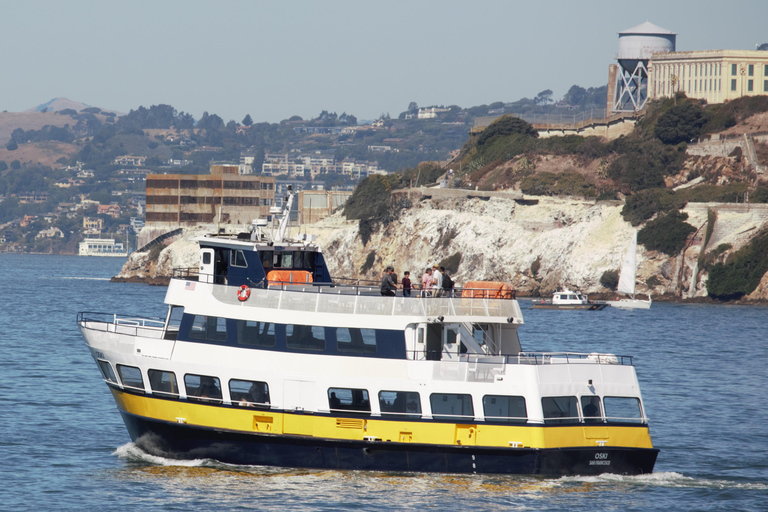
(715, 75)
(223, 196)
(33, 197)
(133, 161)
(431, 112)
(52, 232)
(93, 223)
(113, 210)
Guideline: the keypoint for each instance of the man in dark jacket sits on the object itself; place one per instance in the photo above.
(388, 285)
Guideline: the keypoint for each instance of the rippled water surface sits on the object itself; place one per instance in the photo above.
(702, 370)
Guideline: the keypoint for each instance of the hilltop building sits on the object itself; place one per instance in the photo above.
(715, 76)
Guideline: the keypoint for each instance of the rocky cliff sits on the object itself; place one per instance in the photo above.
(537, 244)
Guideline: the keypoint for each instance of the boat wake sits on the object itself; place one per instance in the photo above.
(133, 453)
(667, 479)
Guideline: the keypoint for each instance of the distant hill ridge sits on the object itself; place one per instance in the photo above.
(57, 104)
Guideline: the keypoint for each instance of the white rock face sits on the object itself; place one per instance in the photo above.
(498, 239)
(575, 242)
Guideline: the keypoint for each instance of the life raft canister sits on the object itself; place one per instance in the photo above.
(243, 293)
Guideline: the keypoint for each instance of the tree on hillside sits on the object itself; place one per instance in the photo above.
(247, 121)
(11, 146)
(680, 123)
(506, 125)
(544, 97)
(575, 95)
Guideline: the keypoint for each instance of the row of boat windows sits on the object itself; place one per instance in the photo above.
(311, 338)
(443, 406)
(301, 260)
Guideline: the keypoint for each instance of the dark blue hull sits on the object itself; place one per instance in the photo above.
(181, 441)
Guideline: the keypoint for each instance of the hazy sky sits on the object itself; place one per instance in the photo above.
(281, 58)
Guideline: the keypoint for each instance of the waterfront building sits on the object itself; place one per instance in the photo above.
(222, 197)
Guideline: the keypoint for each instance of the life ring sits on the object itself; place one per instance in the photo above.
(243, 293)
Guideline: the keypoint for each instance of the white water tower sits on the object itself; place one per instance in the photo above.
(636, 46)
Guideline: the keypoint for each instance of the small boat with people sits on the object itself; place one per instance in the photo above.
(264, 359)
(568, 299)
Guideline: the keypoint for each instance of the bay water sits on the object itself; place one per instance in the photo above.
(63, 446)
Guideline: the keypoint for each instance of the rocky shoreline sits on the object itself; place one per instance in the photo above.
(538, 246)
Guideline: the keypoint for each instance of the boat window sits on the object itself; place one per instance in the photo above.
(209, 328)
(248, 393)
(356, 340)
(131, 377)
(260, 334)
(266, 258)
(560, 409)
(505, 408)
(451, 406)
(590, 409)
(163, 383)
(206, 258)
(237, 259)
(203, 388)
(400, 404)
(305, 337)
(106, 371)
(623, 409)
(283, 259)
(309, 261)
(346, 399)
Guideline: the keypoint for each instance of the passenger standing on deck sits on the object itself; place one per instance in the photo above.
(426, 283)
(388, 285)
(437, 282)
(447, 283)
(406, 284)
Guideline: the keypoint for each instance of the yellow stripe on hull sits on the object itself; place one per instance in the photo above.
(248, 419)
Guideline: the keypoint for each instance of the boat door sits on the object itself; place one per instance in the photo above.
(451, 342)
(206, 265)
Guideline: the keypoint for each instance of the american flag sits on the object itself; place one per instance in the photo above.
(190, 286)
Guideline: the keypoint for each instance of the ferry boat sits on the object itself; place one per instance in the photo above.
(569, 299)
(264, 359)
(102, 247)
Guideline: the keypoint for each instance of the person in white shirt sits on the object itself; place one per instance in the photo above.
(437, 282)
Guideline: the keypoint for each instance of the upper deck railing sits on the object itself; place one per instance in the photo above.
(364, 299)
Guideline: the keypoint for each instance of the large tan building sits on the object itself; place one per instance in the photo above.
(222, 197)
(715, 76)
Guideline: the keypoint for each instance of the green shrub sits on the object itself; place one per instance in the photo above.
(366, 227)
(667, 233)
(706, 193)
(610, 279)
(742, 273)
(642, 205)
(569, 183)
(368, 263)
(504, 126)
(680, 123)
(707, 260)
(644, 164)
(371, 198)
